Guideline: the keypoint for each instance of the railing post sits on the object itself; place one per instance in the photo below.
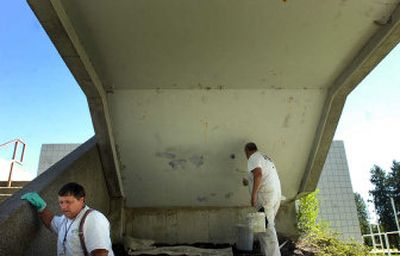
(372, 236)
(387, 244)
(12, 164)
(395, 213)
(380, 239)
(23, 152)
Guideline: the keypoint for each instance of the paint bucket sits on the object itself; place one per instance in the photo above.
(257, 221)
(244, 238)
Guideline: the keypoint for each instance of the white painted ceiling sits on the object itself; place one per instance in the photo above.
(223, 43)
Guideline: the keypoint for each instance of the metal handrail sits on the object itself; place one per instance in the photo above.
(385, 246)
(14, 159)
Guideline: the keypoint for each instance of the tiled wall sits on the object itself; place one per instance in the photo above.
(337, 204)
(52, 153)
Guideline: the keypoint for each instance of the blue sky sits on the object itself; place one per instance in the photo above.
(40, 100)
(42, 103)
(370, 122)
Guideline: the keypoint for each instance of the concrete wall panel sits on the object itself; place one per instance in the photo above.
(52, 153)
(200, 224)
(185, 147)
(185, 225)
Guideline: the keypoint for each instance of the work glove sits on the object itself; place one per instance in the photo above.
(34, 199)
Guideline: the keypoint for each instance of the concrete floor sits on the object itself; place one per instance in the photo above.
(119, 250)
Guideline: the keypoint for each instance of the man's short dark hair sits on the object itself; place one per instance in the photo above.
(251, 146)
(72, 189)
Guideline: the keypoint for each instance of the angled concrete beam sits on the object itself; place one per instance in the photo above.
(58, 27)
(377, 47)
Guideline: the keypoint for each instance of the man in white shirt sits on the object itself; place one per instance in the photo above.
(95, 240)
(265, 190)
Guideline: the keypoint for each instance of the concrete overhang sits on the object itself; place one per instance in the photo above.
(180, 71)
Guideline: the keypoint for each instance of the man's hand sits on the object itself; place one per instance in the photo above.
(245, 182)
(34, 199)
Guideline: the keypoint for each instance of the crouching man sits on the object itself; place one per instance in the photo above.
(81, 230)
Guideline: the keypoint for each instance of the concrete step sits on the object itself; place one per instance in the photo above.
(6, 192)
(4, 197)
(14, 183)
(11, 190)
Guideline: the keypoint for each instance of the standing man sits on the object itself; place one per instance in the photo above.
(265, 190)
(94, 239)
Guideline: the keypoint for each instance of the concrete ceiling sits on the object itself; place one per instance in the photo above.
(318, 50)
(235, 44)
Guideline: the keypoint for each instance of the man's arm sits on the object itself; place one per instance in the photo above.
(257, 174)
(46, 216)
(99, 252)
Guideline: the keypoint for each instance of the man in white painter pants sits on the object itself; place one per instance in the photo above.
(265, 190)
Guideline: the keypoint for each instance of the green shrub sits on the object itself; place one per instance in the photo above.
(307, 214)
(325, 242)
(317, 237)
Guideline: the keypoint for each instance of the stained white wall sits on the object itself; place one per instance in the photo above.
(185, 147)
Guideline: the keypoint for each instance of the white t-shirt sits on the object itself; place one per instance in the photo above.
(270, 183)
(96, 230)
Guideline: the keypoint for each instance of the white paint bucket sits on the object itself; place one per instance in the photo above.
(257, 221)
(244, 237)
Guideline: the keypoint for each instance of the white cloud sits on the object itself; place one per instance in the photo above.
(371, 139)
(18, 174)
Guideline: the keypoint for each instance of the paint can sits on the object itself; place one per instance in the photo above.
(244, 238)
(257, 221)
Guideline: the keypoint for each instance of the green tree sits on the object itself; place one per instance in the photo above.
(381, 198)
(362, 213)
